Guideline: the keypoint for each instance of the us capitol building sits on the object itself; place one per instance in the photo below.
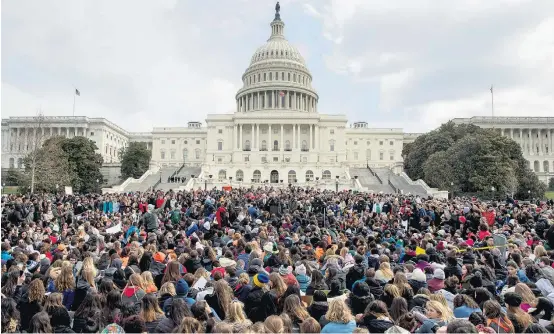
(276, 135)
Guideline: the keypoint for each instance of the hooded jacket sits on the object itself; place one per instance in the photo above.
(81, 289)
(355, 273)
(375, 325)
(132, 294)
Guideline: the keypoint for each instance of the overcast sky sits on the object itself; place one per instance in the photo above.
(409, 64)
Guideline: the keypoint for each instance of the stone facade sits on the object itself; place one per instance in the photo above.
(535, 136)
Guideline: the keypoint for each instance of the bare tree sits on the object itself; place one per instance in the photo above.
(36, 144)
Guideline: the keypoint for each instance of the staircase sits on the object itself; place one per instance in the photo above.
(398, 183)
(373, 182)
(148, 182)
(182, 171)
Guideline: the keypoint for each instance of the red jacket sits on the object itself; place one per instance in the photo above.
(218, 214)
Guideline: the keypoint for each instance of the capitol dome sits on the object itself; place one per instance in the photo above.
(277, 77)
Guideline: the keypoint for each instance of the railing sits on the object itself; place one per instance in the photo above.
(374, 174)
(246, 149)
(288, 149)
(263, 149)
(393, 187)
(305, 150)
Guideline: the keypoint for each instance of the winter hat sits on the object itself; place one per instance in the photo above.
(283, 271)
(439, 273)
(207, 225)
(113, 328)
(256, 262)
(260, 280)
(225, 262)
(159, 257)
(418, 275)
(181, 288)
(300, 270)
(269, 247)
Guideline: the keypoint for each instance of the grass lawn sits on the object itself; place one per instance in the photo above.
(550, 194)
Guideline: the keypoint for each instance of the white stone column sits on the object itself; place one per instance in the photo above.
(269, 143)
(512, 133)
(294, 137)
(235, 133)
(531, 142)
(541, 150)
(521, 138)
(240, 137)
(310, 141)
(281, 146)
(317, 139)
(551, 148)
(298, 137)
(253, 143)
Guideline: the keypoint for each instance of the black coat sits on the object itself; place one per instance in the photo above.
(253, 300)
(354, 274)
(453, 271)
(376, 326)
(318, 309)
(81, 290)
(192, 265)
(358, 304)
(166, 325)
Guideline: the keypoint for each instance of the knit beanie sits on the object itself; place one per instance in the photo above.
(260, 280)
(300, 270)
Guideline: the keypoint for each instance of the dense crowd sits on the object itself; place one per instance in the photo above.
(275, 261)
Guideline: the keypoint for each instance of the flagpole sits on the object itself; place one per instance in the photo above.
(74, 95)
(492, 105)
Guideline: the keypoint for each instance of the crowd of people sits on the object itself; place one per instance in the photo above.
(264, 260)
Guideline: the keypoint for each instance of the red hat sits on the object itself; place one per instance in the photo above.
(159, 257)
(463, 219)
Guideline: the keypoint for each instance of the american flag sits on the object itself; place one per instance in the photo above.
(281, 93)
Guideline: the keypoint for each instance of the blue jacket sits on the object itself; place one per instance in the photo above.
(337, 327)
(303, 281)
(6, 256)
(464, 311)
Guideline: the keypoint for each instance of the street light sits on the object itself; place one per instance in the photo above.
(529, 193)
(492, 189)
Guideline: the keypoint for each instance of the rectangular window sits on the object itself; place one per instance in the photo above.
(289, 77)
(219, 159)
(220, 131)
(92, 133)
(381, 143)
(355, 155)
(391, 156)
(172, 155)
(173, 142)
(275, 130)
(197, 153)
(270, 76)
(197, 142)
(381, 156)
(162, 154)
(265, 77)
(163, 141)
(332, 131)
(264, 159)
(246, 158)
(275, 159)
(355, 143)
(220, 146)
(391, 143)
(258, 77)
(283, 76)
(332, 148)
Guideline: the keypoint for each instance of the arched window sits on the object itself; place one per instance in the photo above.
(537, 166)
(326, 175)
(304, 146)
(185, 154)
(20, 163)
(309, 176)
(247, 145)
(368, 154)
(239, 175)
(545, 166)
(264, 145)
(292, 176)
(276, 145)
(331, 145)
(12, 163)
(222, 175)
(391, 155)
(162, 154)
(197, 153)
(287, 145)
(257, 176)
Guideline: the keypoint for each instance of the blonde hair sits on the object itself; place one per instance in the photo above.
(189, 325)
(88, 275)
(244, 279)
(540, 251)
(338, 312)
(385, 270)
(439, 297)
(274, 324)
(147, 278)
(65, 281)
(167, 288)
(88, 264)
(236, 312)
(392, 290)
(277, 284)
(444, 311)
(525, 292)
(294, 308)
(310, 325)
(136, 280)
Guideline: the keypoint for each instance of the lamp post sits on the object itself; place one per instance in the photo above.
(452, 189)
(337, 183)
(529, 193)
(492, 190)
(97, 184)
